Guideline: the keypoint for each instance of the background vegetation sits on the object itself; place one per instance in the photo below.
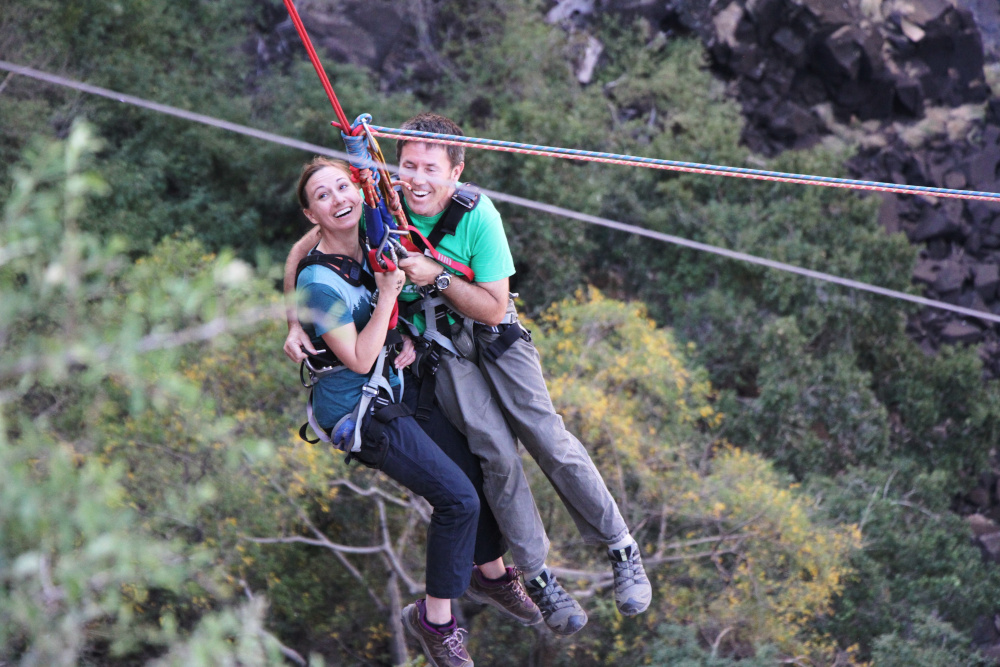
(789, 460)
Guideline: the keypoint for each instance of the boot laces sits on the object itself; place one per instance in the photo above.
(454, 641)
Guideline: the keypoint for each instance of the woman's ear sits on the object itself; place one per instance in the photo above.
(309, 216)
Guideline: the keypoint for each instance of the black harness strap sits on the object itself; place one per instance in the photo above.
(464, 200)
(346, 267)
(509, 334)
(428, 380)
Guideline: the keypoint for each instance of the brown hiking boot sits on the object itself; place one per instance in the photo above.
(443, 648)
(506, 594)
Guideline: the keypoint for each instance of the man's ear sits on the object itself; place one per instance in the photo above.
(457, 170)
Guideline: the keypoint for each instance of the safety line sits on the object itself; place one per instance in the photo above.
(512, 199)
(675, 165)
(317, 65)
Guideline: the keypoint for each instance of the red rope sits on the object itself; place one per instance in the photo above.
(341, 116)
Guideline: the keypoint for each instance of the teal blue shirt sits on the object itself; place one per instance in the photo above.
(328, 302)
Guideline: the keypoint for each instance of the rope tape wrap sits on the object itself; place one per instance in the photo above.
(675, 165)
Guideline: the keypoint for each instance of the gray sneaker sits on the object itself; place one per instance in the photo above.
(507, 595)
(562, 614)
(442, 648)
(632, 590)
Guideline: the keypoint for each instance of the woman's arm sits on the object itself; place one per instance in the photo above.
(358, 350)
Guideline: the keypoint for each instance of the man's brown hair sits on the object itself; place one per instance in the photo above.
(438, 124)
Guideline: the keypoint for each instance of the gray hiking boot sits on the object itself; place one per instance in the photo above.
(443, 648)
(632, 590)
(507, 595)
(562, 614)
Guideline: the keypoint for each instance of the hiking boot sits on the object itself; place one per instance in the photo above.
(443, 648)
(632, 590)
(506, 594)
(562, 614)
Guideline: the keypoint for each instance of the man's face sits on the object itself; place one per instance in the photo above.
(428, 172)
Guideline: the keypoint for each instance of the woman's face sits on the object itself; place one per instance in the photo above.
(334, 201)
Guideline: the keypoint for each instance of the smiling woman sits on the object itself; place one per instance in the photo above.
(338, 313)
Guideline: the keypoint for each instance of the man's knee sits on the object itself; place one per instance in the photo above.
(502, 464)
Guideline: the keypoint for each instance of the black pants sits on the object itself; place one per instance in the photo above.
(404, 453)
(490, 543)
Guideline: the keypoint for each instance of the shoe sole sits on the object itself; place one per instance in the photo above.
(415, 633)
(490, 602)
(633, 608)
(570, 629)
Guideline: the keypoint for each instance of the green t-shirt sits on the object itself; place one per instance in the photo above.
(479, 242)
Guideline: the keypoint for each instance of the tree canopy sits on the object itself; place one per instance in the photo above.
(789, 460)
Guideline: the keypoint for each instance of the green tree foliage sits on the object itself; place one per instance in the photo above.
(197, 444)
(918, 561)
(83, 578)
(740, 553)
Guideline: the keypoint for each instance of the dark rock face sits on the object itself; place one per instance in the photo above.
(784, 57)
(798, 67)
(386, 37)
(960, 261)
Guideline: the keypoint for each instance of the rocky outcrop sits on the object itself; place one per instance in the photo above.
(868, 61)
(382, 36)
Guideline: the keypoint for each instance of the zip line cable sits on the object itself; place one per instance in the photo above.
(513, 199)
(170, 111)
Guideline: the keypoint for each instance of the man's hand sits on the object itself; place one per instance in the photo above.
(297, 343)
(408, 355)
(420, 269)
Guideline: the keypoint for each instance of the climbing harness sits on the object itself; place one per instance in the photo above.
(376, 394)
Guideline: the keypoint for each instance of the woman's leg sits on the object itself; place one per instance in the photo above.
(416, 462)
(490, 544)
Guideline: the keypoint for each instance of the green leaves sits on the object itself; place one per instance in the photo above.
(82, 340)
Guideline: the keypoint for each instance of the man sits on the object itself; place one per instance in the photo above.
(488, 381)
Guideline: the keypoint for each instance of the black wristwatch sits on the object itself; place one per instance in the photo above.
(443, 281)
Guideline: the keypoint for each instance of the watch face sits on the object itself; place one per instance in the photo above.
(442, 281)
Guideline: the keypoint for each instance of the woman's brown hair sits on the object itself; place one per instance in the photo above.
(310, 168)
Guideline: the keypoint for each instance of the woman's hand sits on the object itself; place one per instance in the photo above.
(389, 284)
(408, 355)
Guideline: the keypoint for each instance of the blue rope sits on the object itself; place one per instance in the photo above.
(693, 166)
(357, 149)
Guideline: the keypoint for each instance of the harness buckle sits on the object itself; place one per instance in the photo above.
(466, 197)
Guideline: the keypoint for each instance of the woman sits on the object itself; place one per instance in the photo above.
(338, 316)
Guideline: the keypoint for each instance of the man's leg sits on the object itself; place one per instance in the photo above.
(517, 382)
(465, 399)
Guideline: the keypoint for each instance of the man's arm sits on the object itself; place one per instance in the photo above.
(483, 302)
(297, 338)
